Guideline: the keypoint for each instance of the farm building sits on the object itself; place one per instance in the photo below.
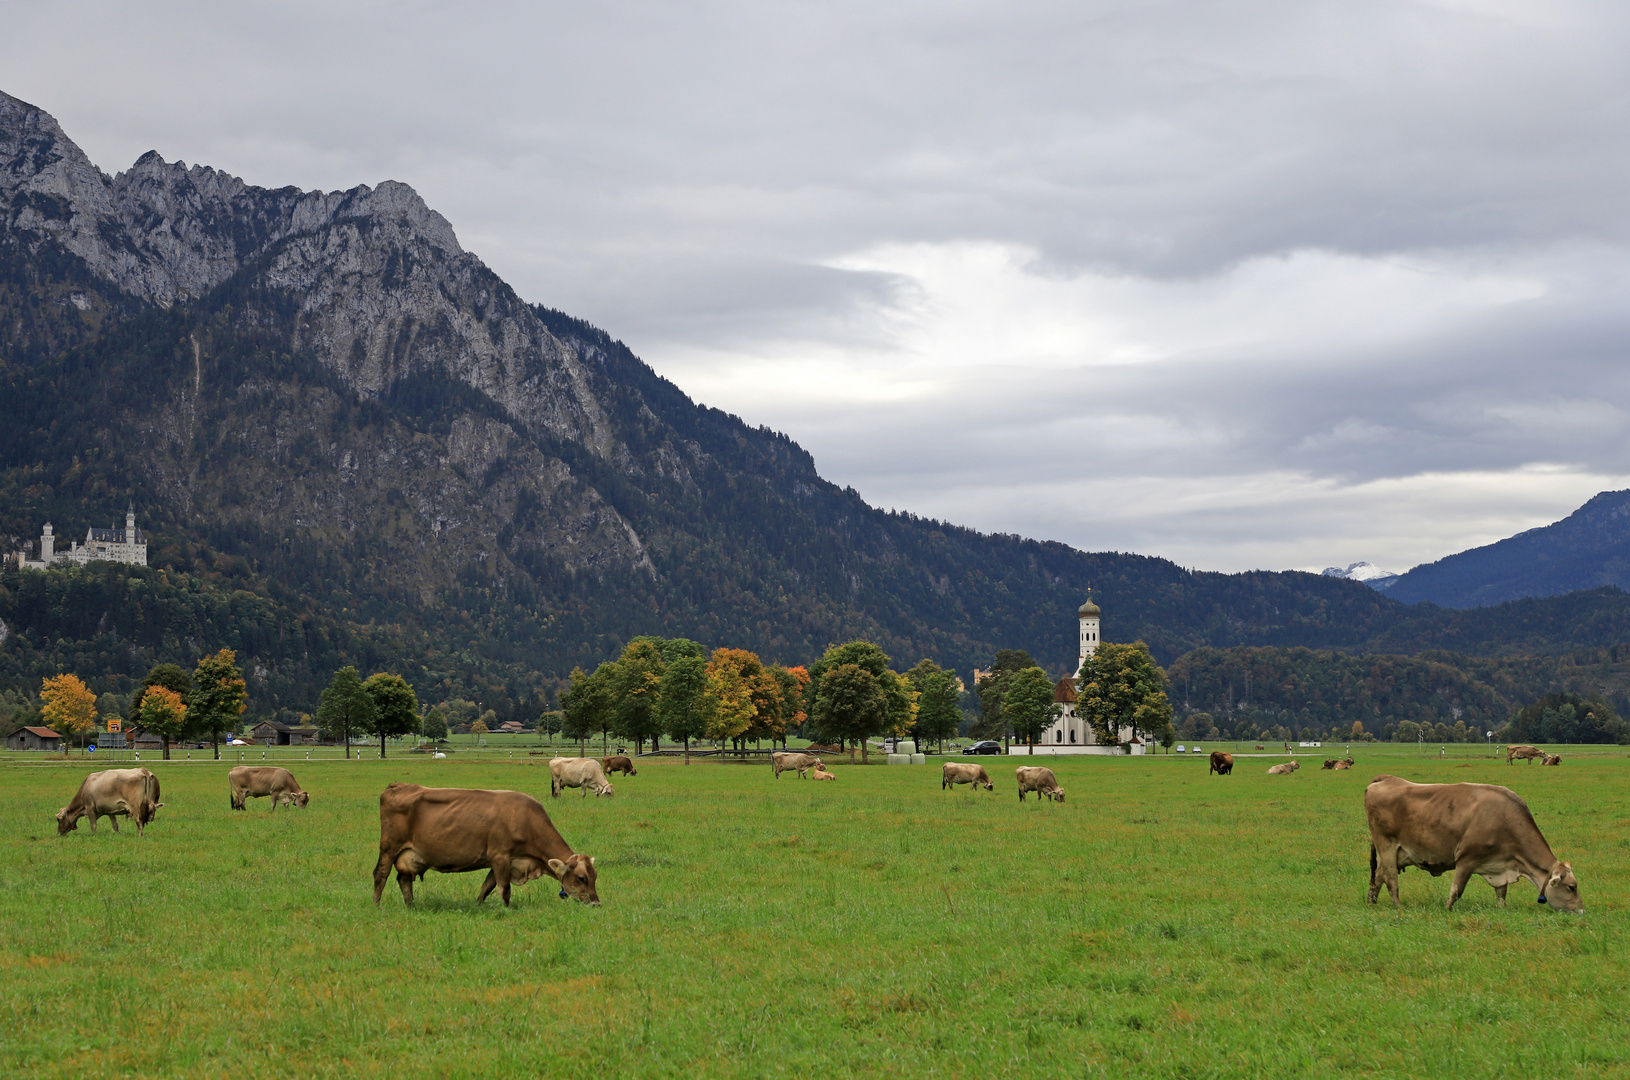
(34, 738)
(273, 733)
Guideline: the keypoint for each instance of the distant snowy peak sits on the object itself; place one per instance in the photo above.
(1373, 576)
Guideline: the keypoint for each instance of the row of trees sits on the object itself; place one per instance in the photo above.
(170, 702)
(668, 687)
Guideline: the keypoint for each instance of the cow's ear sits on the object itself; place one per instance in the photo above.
(557, 866)
(591, 860)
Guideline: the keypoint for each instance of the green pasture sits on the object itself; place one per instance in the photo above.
(1161, 922)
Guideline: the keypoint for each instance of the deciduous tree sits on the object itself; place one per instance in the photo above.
(396, 706)
(219, 696)
(638, 692)
(67, 705)
(939, 712)
(682, 703)
(587, 706)
(434, 724)
(850, 704)
(1120, 686)
(345, 707)
(163, 713)
(172, 678)
(1028, 705)
(735, 690)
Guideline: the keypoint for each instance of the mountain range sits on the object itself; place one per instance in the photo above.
(329, 414)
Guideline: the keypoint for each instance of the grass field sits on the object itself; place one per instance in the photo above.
(1159, 923)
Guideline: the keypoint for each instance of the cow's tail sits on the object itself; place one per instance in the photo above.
(146, 812)
(1372, 864)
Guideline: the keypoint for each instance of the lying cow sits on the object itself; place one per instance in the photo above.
(1222, 764)
(1284, 768)
(783, 761)
(618, 763)
(112, 793)
(1552, 759)
(1344, 763)
(953, 773)
(258, 781)
(1040, 780)
(583, 773)
(1523, 753)
(455, 830)
(819, 773)
(1329, 763)
(1468, 828)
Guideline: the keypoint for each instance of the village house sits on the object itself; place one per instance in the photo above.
(34, 738)
(274, 733)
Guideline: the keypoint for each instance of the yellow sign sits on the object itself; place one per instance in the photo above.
(115, 724)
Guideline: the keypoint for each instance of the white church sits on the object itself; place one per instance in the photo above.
(1070, 734)
(126, 545)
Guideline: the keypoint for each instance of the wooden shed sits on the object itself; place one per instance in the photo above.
(34, 738)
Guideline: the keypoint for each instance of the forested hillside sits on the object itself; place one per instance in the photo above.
(350, 441)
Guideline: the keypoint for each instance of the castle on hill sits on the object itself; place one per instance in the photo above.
(126, 545)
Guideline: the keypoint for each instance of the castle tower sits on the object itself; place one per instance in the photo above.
(48, 545)
(130, 524)
(1089, 629)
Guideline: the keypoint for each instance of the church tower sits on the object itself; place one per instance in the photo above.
(1089, 629)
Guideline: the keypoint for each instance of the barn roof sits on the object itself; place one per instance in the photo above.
(43, 732)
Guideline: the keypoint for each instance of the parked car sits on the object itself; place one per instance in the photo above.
(1181, 749)
(989, 746)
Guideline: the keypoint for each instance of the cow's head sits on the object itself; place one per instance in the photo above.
(1058, 794)
(67, 823)
(1561, 890)
(576, 876)
(605, 789)
(301, 798)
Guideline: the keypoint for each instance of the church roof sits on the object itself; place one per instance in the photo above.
(1064, 691)
(1089, 608)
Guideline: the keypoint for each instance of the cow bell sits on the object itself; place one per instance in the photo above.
(1542, 898)
(563, 896)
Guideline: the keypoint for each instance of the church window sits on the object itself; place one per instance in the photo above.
(1072, 736)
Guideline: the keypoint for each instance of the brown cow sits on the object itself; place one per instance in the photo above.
(1526, 753)
(1344, 763)
(247, 782)
(1552, 759)
(819, 773)
(583, 773)
(1284, 768)
(1329, 763)
(1222, 764)
(456, 830)
(1040, 780)
(1468, 828)
(112, 793)
(1259, 746)
(618, 763)
(782, 761)
(953, 773)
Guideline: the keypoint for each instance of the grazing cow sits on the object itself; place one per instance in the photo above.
(1525, 753)
(819, 773)
(1552, 759)
(1259, 746)
(583, 773)
(953, 773)
(618, 763)
(1040, 780)
(1284, 768)
(1329, 763)
(781, 762)
(112, 793)
(258, 781)
(455, 830)
(1468, 828)
(1222, 764)
(1344, 763)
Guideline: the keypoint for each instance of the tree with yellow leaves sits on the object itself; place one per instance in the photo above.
(68, 706)
(164, 714)
(219, 696)
(739, 695)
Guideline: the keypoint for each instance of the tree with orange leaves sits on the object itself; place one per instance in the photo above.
(741, 698)
(68, 706)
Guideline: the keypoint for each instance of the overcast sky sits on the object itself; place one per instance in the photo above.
(1241, 284)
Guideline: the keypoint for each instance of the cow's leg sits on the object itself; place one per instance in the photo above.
(487, 886)
(110, 816)
(1463, 874)
(500, 871)
(1499, 892)
(382, 870)
(404, 881)
(1386, 873)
